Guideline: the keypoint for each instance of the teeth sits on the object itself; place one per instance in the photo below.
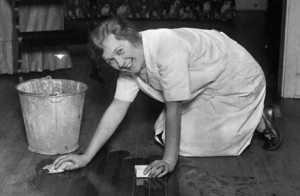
(128, 66)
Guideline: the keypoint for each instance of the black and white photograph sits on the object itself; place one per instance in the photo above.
(149, 97)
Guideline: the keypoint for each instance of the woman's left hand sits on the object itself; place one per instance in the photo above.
(159, 168)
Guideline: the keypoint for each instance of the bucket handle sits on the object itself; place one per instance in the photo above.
(55, 100)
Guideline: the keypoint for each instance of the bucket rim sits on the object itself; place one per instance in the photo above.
(42, 95)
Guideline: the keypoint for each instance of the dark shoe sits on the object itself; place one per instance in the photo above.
(271, 133)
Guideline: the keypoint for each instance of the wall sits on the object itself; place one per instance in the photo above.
(251, 4)
(290, 83)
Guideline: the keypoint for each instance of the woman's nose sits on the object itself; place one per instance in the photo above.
(120, 61)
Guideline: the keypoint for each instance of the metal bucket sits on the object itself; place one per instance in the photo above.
(52, 113)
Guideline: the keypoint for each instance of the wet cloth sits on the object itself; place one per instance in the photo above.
(220, 84)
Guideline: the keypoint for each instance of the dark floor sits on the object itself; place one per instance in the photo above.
(255, 172)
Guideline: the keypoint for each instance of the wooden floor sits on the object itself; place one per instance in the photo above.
(255, 172)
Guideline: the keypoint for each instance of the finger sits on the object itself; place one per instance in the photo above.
(59, 158)
(152, 171)
(158, 171)
(149, 167)
(155, 169)
(62, 160)
(163, 173)
(59, 163)
(71, 167)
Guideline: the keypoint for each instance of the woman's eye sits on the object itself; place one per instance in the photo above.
(119, 52)
(110, 61)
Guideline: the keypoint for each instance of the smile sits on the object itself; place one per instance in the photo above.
(128, 66)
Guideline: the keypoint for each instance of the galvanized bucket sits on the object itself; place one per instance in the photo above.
(52, 113)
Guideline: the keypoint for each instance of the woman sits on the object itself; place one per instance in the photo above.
(212, 88)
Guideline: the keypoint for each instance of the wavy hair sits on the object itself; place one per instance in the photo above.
(118, 26)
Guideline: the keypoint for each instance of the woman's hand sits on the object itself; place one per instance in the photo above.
(77, 160)
(159, 168)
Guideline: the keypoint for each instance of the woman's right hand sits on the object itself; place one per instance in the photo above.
(77, 160)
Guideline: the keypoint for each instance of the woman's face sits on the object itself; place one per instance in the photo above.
(123, 55)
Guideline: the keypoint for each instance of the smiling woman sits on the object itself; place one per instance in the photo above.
(121, 29)
(122, 55)
(213, 91)
(120, 45)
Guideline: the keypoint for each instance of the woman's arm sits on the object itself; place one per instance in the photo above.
(159, 168)
(106, 127)
(173, 128)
